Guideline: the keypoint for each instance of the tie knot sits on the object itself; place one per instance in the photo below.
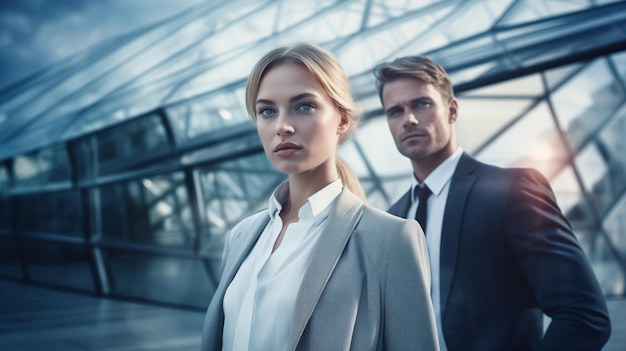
(422, 193)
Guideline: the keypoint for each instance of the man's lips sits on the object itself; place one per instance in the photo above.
(412, 136)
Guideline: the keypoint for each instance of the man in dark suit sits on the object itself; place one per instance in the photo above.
(502, 254)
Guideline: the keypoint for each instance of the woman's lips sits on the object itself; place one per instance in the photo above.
(286, 149)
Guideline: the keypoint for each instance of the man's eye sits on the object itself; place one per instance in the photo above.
(394, 113)
(422, 104)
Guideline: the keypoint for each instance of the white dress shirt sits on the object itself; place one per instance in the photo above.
(438, 181)
(260, 301)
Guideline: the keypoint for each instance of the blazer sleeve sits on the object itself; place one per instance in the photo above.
(407, 293)
(555, 265)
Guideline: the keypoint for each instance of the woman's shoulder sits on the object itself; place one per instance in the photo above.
(249, 221)
(377, 214)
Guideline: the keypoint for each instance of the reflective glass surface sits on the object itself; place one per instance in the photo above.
(585, 102)
(115, 150)
(54, 213)
(42, 168)
(152, 210)
(150, 131)
(57, 264)
(9, 257)
(175, 280)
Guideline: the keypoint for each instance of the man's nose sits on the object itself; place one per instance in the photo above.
(409, 118)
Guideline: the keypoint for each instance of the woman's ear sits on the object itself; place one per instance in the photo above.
(344, 123)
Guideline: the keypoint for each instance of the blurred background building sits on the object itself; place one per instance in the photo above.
(123, 166)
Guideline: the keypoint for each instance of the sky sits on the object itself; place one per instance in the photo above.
(35, 34)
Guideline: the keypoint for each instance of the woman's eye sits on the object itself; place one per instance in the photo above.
(264, 112)
(305, 107)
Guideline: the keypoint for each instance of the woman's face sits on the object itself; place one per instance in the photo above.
(298, 126)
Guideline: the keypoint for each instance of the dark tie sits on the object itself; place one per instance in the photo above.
(422, 193)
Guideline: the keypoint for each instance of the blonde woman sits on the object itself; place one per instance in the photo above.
(318, 269)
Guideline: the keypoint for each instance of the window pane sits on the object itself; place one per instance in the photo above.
(531, 142)
(4, 178)
(603, 262)
(58, 213)
(5, 213)
(175, 280)
(152, 210)
(604, 181)
(48, 166)
(232, 190)
(9, 258)
(121, 148)
(59, 264)
(583, 104)
(615, 225)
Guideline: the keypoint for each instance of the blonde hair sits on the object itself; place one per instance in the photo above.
(334, 85)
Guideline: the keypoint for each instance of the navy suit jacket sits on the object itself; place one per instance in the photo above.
(507, 255)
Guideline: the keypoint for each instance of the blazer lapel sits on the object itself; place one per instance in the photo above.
(462, 182)
(332, 241)
(239, 250)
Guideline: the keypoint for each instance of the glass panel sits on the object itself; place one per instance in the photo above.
(238, 141)
(48, 166)
(210, 114)
(607, 269)
(584, 103)
(152, 210)
(527, 87)
(612, 146)
(230, 191)
(571, 199)
(9, 257)
(58, 213)
(375, 139)
(615, 225)
(59, 264)
(477, 124)
(603, 181)
(121, 148)
(619, 61)
(174, 280)
(6, 211)
(4, 178)
(534, 10)
(531, 142)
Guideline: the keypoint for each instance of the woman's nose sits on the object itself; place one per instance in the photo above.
(284, 126)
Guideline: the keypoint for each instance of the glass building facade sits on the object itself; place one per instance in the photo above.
(122, 168)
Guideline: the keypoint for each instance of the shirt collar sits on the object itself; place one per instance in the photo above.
(316, 208)
(440, 176)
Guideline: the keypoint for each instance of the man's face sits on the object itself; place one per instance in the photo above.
(421, 120)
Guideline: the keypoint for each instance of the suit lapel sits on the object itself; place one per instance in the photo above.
(462, 182)
(332, 241)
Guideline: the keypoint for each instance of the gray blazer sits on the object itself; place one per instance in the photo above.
(367, 286)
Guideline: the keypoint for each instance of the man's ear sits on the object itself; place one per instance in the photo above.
(453, 111)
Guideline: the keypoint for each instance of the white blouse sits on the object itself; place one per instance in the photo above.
(260, 301)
